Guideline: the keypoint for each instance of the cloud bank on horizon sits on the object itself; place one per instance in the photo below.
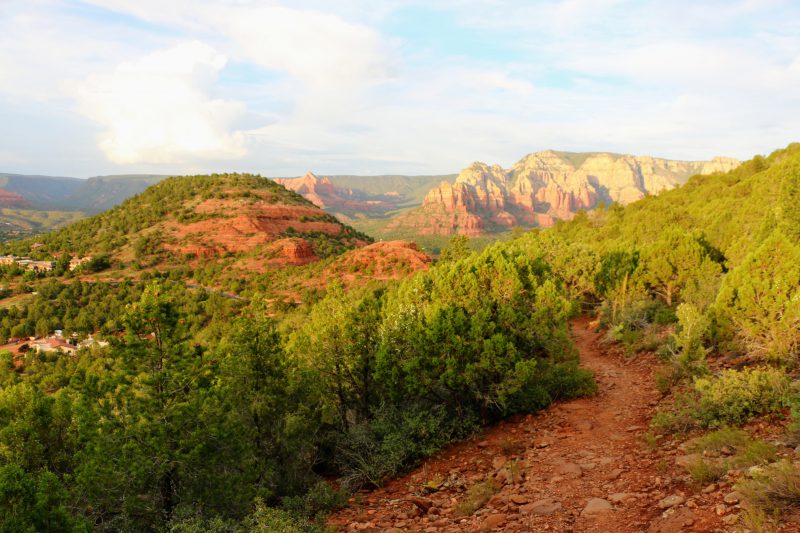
(398, 86)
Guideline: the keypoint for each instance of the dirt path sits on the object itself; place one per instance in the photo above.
(581, 466)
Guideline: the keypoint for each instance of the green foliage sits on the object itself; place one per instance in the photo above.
(719, 439)
(31, 502)
(474, 334)
(735, 396)
(457, 248)
(775, 488)
(704, 472)
(613, 278)
(396, 438)
(724, 449)
(759, 301)
(477, 496)
(673, 262)
(685, 350)
(636, 324)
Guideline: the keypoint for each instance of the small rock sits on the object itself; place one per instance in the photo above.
(483, 444)
(730, 519)
(671, 501)
(499, 462)
(502, 476)
(394, 530)
(518, 499)
(686, 460)
(675, 521)
(614, 474)
(541, 507)
(709, 489)
(727, 450)
(720, 509)
(422, 504)
(568, 469)
(493, 522)
(732, 498)
(596, 506)
(583, 425)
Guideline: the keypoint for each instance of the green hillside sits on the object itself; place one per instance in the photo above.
(735, 211)
(147, 224)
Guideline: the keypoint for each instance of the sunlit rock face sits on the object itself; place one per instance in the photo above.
(543, 187)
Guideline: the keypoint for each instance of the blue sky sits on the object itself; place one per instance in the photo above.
(367, 87)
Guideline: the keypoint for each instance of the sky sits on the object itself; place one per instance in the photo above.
(397, 86)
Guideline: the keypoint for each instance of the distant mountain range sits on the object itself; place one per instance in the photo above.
(536, 191)
(52, 193)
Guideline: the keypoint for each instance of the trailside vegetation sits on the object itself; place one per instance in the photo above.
(204, 410)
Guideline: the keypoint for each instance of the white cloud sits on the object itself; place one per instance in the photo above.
(157, 109)
(315, 47)
(311, 45)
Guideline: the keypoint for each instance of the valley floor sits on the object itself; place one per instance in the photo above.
(580, 466)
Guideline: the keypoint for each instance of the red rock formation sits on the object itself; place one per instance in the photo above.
(323, 193)
(542, 188)
(293, 251)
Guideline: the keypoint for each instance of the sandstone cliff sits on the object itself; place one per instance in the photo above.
(543, 187)
(323, 193)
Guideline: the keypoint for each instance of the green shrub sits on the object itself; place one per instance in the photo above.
(704, 472)
(758, 305)
(754, 453)
(394, 441)
(268, 519)
(725, 437)
(320, 499)
(684, 351)
(476, 497)
(735, 396)
(776, 488)
(735, 448)
(637, 324)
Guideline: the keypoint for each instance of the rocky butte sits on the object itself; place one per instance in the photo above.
(543, 187)
(323, 193)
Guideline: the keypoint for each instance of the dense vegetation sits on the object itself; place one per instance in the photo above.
(207, 413)
(195, 417)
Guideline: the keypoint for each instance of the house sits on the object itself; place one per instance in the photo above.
(76, 262)
(36, 266)
(54, 344)
(91, 342)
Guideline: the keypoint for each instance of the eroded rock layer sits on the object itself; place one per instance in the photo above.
(543, 187)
